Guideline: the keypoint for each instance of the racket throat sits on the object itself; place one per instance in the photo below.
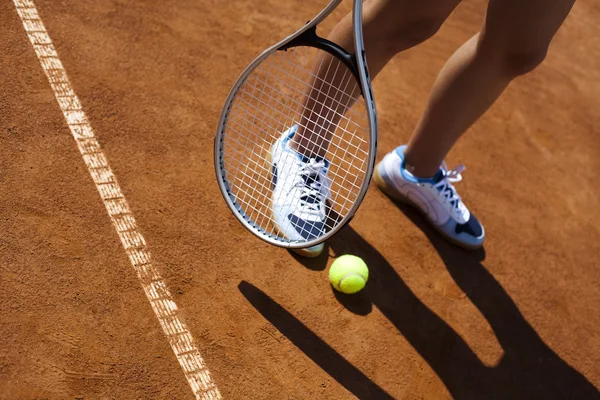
(311, 39)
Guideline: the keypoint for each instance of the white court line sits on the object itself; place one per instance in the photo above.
(162, 303)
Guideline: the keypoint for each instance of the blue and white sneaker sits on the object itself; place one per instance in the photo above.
(301, 188)
(436, 198)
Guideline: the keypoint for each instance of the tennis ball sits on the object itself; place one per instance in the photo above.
(348, 274)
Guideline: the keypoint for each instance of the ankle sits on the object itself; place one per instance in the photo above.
(420, 171)
(421, 163)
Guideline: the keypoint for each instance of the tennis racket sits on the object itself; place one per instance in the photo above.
(296, 142)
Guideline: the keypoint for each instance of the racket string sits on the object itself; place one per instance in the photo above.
(270, 102)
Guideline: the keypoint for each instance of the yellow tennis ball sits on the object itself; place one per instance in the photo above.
(348, 274)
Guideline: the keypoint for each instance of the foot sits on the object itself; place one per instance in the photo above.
(300, 191)
(435, 197)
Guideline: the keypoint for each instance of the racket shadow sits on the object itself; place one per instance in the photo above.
(312, 345)
(528, 368)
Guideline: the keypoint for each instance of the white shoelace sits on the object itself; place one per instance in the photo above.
(310, 181)
(445, 184)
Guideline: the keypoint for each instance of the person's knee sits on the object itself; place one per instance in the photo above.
(397, 25)
(511, 60)
(516, 62)
(518, 33)
(419, 31)
(406, 35)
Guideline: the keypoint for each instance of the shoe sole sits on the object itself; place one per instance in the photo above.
(395, 195)
(308, 252)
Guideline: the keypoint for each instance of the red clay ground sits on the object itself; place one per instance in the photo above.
(517, 320)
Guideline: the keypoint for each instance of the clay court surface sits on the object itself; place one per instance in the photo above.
(519, 319)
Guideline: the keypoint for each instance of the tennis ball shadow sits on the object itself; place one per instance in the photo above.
(358, 303)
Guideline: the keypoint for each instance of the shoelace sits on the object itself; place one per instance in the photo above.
(310, 183)
(445, 183)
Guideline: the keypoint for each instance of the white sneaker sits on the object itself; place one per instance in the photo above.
(301, 188)
(436, 198)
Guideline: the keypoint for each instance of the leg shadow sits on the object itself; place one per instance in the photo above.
(313, 346)
(529, 369)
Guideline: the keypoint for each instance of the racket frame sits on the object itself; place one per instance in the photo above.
(357, 64)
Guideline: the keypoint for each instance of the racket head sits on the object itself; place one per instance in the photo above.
(266, 101)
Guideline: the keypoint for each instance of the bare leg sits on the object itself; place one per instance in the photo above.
(514, 40)
(389, 26)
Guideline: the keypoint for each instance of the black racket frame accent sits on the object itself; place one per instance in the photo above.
(311, 39)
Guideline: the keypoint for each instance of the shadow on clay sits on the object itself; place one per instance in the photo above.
(529, 369)
(312, 345)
